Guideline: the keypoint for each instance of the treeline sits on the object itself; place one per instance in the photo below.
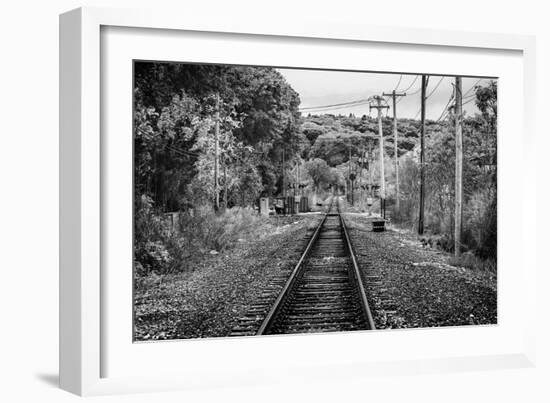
(350, 144)
(266, 147)
(175, 114)
(181, 113)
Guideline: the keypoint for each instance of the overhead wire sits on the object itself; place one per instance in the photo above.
(398, 82)
(465, 97)
(358, 101)
(396, 87)
(445, 109)
(365, 101)
(436, 86)
(410, 86)
(472, 87)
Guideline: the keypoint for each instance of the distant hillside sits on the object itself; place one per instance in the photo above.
(332, 137)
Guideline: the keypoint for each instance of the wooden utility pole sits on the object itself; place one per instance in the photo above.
(422, 132)
(300, 178)
(349, 173)
(284, 179)
(296, 179)
(361, 173)
(370, 159)
(224, 185)
(216, 155)
(394, 95)
(379, 107)
(458, 165)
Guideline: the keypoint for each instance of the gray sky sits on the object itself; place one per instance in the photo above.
(319, 87)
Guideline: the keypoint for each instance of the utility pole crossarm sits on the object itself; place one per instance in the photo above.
(378, 105)
(394, 94)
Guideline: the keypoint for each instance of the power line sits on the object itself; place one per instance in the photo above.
(410, 86)
(357, 102)
(399, 82)
(472, 87)
(386, 97)
(423, 88)
(364, 100)
(435, 88)
(466, 98)
(337, 106)
(445, 109)
(429, 95)
(334, 108)
(467, 102)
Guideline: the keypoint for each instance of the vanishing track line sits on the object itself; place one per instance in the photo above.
(324, 292)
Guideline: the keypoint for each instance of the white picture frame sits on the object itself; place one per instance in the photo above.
(82, 172)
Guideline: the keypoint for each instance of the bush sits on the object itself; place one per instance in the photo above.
(205, 230)
(160, 249)
(471, 261)
(480, 223)
(150, 252)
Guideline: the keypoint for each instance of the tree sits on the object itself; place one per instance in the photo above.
(312, 130)
(174, 107)
(321, 174)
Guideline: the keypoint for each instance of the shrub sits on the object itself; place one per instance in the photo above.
(473, 262)
(150, 252)
(160, 249)
(208, 230)
(480, 223)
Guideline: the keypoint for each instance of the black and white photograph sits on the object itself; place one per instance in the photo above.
(276, 201)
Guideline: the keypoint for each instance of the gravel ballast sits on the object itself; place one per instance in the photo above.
(409, 285)
(207, 301)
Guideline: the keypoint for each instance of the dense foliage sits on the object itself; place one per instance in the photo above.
(266, 148)
(336, 138)
(175, 107)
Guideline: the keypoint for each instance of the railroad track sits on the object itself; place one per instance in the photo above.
(324, 292)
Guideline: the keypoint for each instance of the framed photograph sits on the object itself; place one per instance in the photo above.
(246, 202)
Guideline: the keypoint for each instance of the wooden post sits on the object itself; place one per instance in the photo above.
(422, 133)
(216, 155)
(370, 158)
(349, 173)
(224, 184)
(458, 166)
(379, 107)
(296, 180)
(381, 142)
(361, 174)
(394, 95)
(284, 179)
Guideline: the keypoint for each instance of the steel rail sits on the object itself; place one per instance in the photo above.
(279, 302)
(356, 273)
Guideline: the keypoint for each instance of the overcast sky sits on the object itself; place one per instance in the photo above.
(319, 88)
